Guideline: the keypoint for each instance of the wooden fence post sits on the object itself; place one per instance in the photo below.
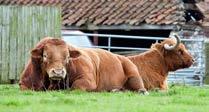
(206, 79)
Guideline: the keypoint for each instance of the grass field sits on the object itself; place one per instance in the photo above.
(178, 99)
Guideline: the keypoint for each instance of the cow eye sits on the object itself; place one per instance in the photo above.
(44, 57)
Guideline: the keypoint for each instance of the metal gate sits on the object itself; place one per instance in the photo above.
(189, 76)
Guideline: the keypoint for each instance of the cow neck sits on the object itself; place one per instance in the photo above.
(71, 73)
(162, 62)
(45, 79)
(152, 57)
(37, 78)
(96, 73)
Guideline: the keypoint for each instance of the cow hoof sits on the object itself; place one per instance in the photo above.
(144, 92)
(115, 90)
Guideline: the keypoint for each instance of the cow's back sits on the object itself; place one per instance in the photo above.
(108, 68)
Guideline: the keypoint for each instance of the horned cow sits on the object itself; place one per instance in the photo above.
(154, 64)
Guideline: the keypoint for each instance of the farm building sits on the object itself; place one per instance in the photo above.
(125, 17)
(153, 18)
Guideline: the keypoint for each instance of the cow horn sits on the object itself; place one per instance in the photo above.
(169, 47)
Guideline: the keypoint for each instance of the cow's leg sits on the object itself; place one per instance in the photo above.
(27, 84)
(164, 86)
(117, 89)
(135, 83)
(84, 85)
(23, 87)
(54, 85)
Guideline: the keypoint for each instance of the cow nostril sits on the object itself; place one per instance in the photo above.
(58, 71)
(193, 60)
(53, 71)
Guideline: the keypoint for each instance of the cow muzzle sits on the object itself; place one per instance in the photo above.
(57, 74)
(190, 62)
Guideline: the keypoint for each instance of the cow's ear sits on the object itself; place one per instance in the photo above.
(36, 53)
(74, 54)
(157, 46)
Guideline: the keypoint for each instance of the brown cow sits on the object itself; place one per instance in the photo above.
(83, 68)
(154, 65)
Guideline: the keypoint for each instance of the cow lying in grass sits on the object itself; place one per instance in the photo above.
(154, 65)
(56, 65)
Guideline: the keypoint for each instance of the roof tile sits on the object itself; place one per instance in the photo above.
(112, 12)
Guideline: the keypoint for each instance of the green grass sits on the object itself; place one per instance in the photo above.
(178, 99)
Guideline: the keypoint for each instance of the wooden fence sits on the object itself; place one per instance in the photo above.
(21, 27)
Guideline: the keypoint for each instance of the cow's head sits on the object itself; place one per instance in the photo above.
(53, 57)
(175, 54)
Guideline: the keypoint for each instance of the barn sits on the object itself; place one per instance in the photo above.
(124, 17)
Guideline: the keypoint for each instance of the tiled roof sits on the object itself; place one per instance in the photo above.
(113, 12)
(30, 2)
